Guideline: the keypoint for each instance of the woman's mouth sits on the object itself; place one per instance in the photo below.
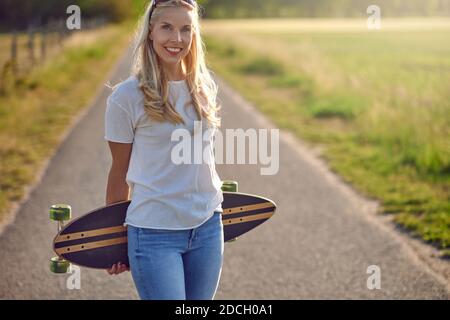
(173, 51)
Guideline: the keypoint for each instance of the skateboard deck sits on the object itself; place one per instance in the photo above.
(98, 239)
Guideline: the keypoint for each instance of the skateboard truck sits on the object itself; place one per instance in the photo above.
(230, 186)
(60, 213)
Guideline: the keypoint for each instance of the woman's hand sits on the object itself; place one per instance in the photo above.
(118, 268)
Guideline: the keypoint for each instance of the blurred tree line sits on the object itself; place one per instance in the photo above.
(19, 14)
(322, 8)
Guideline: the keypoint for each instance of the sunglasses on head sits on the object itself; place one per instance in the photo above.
(156, 2)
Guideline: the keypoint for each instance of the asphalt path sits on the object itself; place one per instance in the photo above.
(319, 244)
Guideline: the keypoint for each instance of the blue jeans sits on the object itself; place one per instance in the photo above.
(177, 264)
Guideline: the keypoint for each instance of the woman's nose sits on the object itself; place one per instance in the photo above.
(177, 36)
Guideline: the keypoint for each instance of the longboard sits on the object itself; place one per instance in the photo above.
(98, 239)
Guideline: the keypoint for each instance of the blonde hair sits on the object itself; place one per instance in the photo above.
(153, 81)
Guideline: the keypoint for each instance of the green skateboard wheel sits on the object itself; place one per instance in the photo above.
(60, 212)
(230, 186)
(58, 265)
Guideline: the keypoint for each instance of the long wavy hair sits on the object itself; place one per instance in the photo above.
(153, 80)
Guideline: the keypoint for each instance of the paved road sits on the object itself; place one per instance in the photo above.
(317, 246)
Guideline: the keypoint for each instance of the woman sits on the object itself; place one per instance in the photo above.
(175, 231)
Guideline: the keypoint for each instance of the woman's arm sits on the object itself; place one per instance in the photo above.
(117, 189)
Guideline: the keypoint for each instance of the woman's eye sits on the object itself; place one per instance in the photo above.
(168, 27)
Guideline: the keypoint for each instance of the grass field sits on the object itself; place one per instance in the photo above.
(40, 107)
(377, 102)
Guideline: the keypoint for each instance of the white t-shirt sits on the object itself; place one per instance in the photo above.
(164, 195)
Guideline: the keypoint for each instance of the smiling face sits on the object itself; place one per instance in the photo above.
(171, 34)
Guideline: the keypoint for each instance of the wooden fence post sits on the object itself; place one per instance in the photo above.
(14, 52)
(61, 30)
(31, 46)
(43, 43)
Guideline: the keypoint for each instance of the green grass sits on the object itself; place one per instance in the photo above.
(262, 66)
(38, 109)
(378, 102)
